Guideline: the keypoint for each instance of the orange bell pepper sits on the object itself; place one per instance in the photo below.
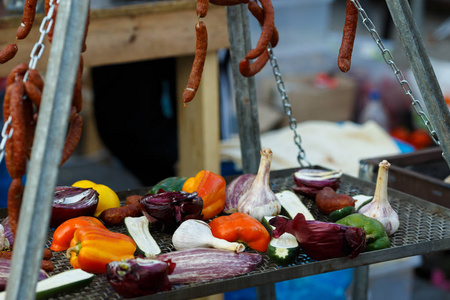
(241, 227)
(211, 188)
(64, 232)
(93, 248)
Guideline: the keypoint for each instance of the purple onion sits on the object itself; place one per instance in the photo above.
(5, 267)
(71, 202)
(169, 209)
(139, 277)
(310, 181)
(235, 189)
(322, 240)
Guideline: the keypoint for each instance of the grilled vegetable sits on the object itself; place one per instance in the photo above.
(197, 234)
(259, 200)
(283, 250)
(64, 232)
(206, 264)
(5, 267)
(211, 188)
(241, 227)
(171, 208)
(310, 181)
(138, 229)
(70, 202)
(322, 240)
(341, 213)
(92, 248)
(327, 200)
(234, 191)
(65, 282)
(170, 184)
(138, 277)
(291, 205)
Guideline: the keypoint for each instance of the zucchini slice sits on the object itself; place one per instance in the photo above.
(283, 250)
(65, 282)
(138, 229)
(361, 200)
(291, 205)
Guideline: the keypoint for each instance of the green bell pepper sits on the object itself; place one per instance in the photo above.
(170, 184)
(376, 236)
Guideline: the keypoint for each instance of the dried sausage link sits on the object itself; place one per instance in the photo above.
(6, 102)
(258, 13)
(202, 8)
(29, 12)
(35, 78)
(33, 93)
(15, 194)
(266, 30)
(248, 70)
(72, 139)
(8, 53)
(199, 62)
(17, 73)
(77, 99)
(348, 37)
(9, 157)
(19, 126)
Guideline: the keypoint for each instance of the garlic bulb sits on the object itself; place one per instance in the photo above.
(259, 200)
(194, 233)
(379, 208)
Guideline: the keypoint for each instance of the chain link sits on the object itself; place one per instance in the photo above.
(301, 157)
(387, 56)
(36, 54)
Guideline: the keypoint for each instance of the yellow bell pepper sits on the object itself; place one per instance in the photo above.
(211, 188)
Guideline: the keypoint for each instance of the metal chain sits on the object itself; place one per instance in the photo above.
(387, 56)
(301, 157)
(36, 54)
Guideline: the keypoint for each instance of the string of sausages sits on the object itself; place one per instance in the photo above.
(263, 13)
(22, 101)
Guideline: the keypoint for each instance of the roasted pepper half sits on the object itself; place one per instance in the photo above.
(211, 188)
(376, 236)
(241, 227)
(92, 248)
(64, 232)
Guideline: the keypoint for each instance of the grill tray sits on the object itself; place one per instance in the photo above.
(424, 227)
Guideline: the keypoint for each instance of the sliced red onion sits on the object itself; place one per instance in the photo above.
(71, 202)
(310, 181)
(322, 240)
(171, 208)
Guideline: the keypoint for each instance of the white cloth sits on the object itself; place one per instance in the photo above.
(338, 146)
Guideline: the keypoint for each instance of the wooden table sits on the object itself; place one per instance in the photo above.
(148, 31)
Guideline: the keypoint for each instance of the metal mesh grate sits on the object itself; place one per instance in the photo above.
(420, 222)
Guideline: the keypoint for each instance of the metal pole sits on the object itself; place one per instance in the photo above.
(245, 91)
(48, 143)
(423, 71)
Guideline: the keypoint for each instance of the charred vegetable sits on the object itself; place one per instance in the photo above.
(322, 240)
(327, 200)
(171, 208)
(70, 202)
(206, 264)
(310, 181)
(139, 277)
